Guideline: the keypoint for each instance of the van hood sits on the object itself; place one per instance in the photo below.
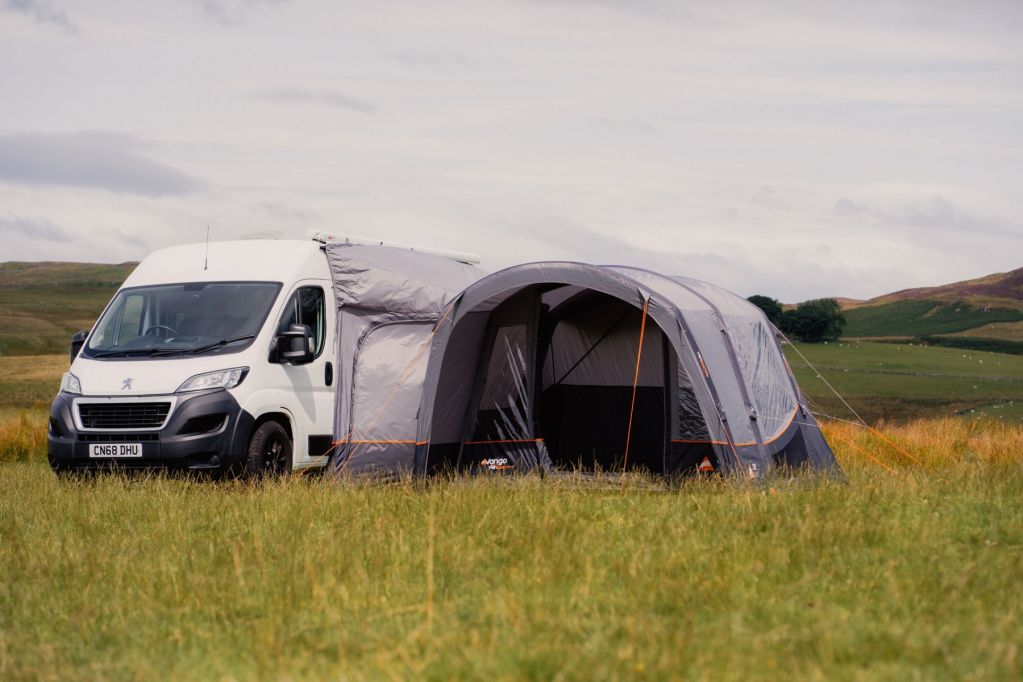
(121, 377)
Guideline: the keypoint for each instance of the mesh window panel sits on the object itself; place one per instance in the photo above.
(760, 361)
(691, 425)
(503, 409)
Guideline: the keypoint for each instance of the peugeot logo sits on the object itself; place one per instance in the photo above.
(126, 384)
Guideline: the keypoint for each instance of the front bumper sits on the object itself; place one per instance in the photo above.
(207, 430)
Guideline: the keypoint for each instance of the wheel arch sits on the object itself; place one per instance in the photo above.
(283, 418)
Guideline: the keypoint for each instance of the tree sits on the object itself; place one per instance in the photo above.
(770, 306)
(814, 321)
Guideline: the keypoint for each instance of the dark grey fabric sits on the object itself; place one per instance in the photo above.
(728, 382)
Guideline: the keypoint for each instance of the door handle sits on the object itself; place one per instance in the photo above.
(328, 374)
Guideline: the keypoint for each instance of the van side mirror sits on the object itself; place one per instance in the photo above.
(77, 341)
(296, 346)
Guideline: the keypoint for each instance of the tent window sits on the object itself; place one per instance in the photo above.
(503, 403)
(691, 426)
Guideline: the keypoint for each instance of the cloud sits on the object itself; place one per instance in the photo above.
(286, 213)
(98, 160)
(42, 13)
(328, 98)
(760, 267)
(123, 237)
(32, 228)
(432, 58)
(577, 242)
(231, 12)
(661, 9)
(933, 213)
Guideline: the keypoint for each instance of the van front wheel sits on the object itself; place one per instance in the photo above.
(269, 452)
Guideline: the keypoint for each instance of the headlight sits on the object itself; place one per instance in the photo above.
(69, 383)
(222, 378)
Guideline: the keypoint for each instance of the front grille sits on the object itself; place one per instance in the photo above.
(118, 437)
(123, 415)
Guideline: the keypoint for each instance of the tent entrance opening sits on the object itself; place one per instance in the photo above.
(589, 348)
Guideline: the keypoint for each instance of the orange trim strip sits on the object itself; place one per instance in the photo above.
(635, 384)
(783, 429)
(496, 442)
(792, 418)
(716, 442)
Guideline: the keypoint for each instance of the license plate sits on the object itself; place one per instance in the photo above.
(115, 449)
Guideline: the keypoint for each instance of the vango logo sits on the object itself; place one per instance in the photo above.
(495, 463)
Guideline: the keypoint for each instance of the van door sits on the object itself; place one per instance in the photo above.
(313, 382)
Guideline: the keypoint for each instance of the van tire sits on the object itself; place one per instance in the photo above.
(269, 452)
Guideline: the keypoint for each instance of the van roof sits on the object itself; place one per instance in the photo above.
(248, 260)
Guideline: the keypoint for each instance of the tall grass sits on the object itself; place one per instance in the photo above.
(22, 435)
(948, 444)
(907, 572)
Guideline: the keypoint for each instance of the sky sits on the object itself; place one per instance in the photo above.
(795, 149)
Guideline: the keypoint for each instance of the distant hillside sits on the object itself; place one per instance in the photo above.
(923, 318)
(984, 314)
(1000, 290)
(43, 304)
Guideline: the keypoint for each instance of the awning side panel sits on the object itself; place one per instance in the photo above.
(386, 390)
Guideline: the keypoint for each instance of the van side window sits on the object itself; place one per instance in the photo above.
(306, 307)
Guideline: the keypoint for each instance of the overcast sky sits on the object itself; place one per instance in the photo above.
(797, 149)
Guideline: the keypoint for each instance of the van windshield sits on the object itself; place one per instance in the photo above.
(182, 319)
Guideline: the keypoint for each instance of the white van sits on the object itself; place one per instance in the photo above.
(216, 356)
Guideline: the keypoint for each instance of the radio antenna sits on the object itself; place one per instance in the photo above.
(206, 260)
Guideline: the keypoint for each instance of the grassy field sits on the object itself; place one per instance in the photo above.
(27, 386)
(43, 304)
(897, 382)
(909, 571)
(30, 381)
(1003, 331)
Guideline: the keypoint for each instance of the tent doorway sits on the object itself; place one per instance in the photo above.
(588, 347)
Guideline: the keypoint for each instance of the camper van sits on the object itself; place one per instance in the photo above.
(223, 356)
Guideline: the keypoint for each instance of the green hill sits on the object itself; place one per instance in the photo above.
(43, 304)
(923, 318)
(998, 290)
(979, 314)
